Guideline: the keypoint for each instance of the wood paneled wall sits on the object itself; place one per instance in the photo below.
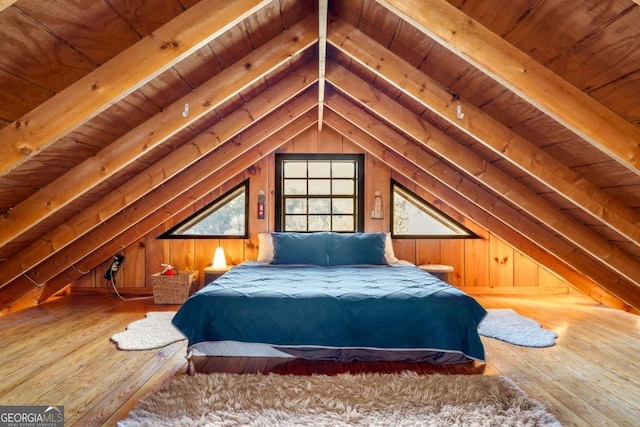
(486, 265)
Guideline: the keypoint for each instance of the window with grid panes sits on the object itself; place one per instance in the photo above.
(319, 192)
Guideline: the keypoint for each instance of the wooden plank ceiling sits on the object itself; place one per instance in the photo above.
(525, 118)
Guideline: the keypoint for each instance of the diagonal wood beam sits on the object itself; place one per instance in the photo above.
(158, 129)
(118, 77)
(156, 175)
(270, 134)
(6, 3)
(483, 128)
(521, 74)
(411, 160)
(322, 55)
(484, 172)
(185, 190)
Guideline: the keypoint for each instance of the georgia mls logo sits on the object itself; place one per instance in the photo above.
(31, 416)
(56, 409)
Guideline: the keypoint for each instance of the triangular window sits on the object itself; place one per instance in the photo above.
(412, 217)
(225, 217)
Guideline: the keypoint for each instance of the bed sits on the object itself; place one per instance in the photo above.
(332, 296)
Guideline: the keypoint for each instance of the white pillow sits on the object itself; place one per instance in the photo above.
(265, 247)
(388, 250)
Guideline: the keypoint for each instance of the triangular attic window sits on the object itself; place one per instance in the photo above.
(414, 218)
(226, 217)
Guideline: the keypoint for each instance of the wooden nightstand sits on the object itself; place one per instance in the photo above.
(211, 274)
(439, 270)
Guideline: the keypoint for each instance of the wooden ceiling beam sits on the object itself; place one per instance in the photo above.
(483, 128)
(158, 129)
(157, 174)
(323, 14)
(190, 188)
(118, 77)
(270, 134)
(484, 172)
(413, 161)
(6, 3)
(521, 74)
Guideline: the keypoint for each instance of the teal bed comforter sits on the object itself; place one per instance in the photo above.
(357, 307)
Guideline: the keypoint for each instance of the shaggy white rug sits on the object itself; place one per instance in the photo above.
(406, 399)
(507, 325)
(154, 331)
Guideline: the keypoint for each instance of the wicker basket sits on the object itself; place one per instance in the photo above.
(173, 289)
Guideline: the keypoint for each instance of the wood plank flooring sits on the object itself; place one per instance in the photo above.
(60, 354)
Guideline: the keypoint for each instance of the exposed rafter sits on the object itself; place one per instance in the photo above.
(159, 128)
(119, 77)
(156, 175)
(123, 122)
(6, 3)
(487, 174)
(482, 127)
(322, 55)
(270, 134)
(521, 74)
(408, 158)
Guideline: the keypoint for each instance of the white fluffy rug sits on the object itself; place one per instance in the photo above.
(406, 399)
(154, 331)
(507, 325)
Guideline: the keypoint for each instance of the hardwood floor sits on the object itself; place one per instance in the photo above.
(60, 354)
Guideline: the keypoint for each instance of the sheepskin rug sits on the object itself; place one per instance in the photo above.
(506, 325)
(405, 399)
(154, 331)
